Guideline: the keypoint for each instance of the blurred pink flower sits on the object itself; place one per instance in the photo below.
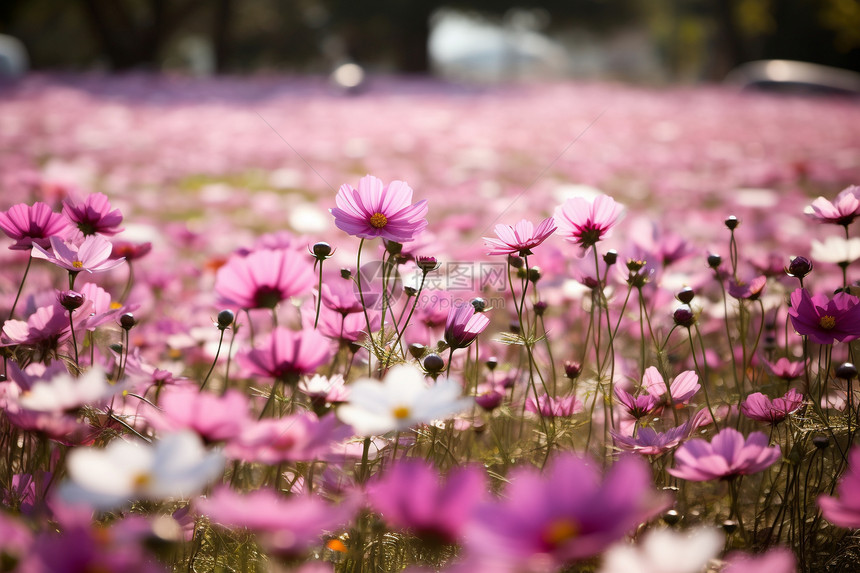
(638, 406)
(94, 215)
(554, 407)
(786, 369)
(285, 355)
(464, 325)
(31, 225)
(263, 279)
(587, 222)
(825, 320)
(726, 456)
(410, 495)
(844, 511)
(842, 211)
(777, 560)
(759, 407)
(92, 255)
(375, 210)
(521, 238)
(213, 418)
(680, 391)
(751, 290)
(300, 437)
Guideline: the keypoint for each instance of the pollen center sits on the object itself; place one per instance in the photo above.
(141, 480)
(559, 531)
(827, 322)
(400, 412)
(78, 264)
(378, 220)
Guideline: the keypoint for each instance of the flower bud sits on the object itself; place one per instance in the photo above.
(610, 257)
(427, 264)
(515, 261)
(821, 442)
(345, 273)
(127, 321)
(479, 304)
(534, 275)
(685, 295)
(540, 307)
(684, 316)
(417, 350)
(321, 251)
(70, 300)
(846, 371)
(634, 265)
(433, 363)
(225, 319)
(732, 222)
(572, 369)
(799, 267)
(491, 363)
(714, 260)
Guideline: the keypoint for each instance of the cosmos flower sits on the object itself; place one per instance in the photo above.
(776, 560)
(844, 511)
(665, 551)
(464, 325)
(587, 222)
(213, 418)
(402, 400)
(94, 215)
(786, 369)
(759, 407)
(65, 392)
(825, 320)
(263, 279)
(552, 407)
(727, 455)
(680, 391)
(751, 290)
(836, 250)
(300, 437)
(376, 210)
(92, 255)
(842, 211)
(31, 225)
(521, 238)
(285, 355)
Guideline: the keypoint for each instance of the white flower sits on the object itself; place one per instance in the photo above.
(64, 392)
(665, 551)
(836, 250)
(177, 466)
(400, 401)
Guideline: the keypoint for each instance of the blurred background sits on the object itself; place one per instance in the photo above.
(660, 41)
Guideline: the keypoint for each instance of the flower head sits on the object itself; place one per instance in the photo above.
(551, 407)
(825, 320)
(844, 511)
(842, 211)
(786, 369)
(94, 215)
(759, 407)
(377, 210)
(263, 279)
(92, 255)
(680, 391)
(665, 551)
(31, 225)
(727, 455)
(836, 250)
(521, 238)
(285, 355)
(402, 400)
(464, 325)
(587, 222)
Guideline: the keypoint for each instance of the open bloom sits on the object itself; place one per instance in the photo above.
(587, 222)
(31, 225)
(521, 238)
(825, 320)
(92, 255)
(377, 210)
(727, 455)
(300, 437)
(263, 278)
(844, 511)
(464, 325)
(402, 400)
(759, 407)
(665, 551)
(680, 391)
(836, 250)
(64, 392)
(552, 407)
(565, 513)
(786, 369)
(285, 355)
(410, 495)
(751, 290)
(213, 418)
(175, 466)
(94, 215)
(842, 211)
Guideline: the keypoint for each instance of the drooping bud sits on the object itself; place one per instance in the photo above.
(685, 295)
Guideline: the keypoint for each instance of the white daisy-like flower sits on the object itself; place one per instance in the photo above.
(64, 392)
(402, 400)
(836, 250)
(665, 551)
(177, 466)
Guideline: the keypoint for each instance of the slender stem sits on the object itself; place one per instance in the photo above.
(319, 296)
(21, 286)
(215, 361)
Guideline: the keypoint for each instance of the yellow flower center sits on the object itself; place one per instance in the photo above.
(401, 412)
(827, 322)
(559, 531)
(378, 220)
(115, 305)
(78, 264)
(141, 480)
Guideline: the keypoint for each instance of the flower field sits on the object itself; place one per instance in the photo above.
(260, 325)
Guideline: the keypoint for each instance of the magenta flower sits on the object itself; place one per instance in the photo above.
(301, 437)
(285, 355)
(759, 407)
(92, 255)
(551, 407)
(727, 455)
(786, 369)
(411, 496)
(31, 225)
(263, 279)
(587, 222)
(94, 215)
(638, 406)
(375, 210)
(750, 291)
(649, 442)
(680, 391)
(213, 418)
(565, 513)
(825, 320)
(341, 296)
(43, 331)
(521, 238)
(464, 325)
(845, 511)
(842, 211)
(776, 560)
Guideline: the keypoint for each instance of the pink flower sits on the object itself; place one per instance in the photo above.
(777, 560)
(263, 279)
(94, 215)
(411, 496)
(374, 210)
(464, 325)
(751, 290)
(301, 437)
(587, 222)
(638, 406)
(551, 407)
(521, 238)
(565, 513)
(845, 511)
(285, 355)
(842, 211)
(825, 320)
(341, 295)
(92, 255)
(786, 369)
(680, 391)
(759, 407)
(31, 225)
(213, 418)
(728, 455)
